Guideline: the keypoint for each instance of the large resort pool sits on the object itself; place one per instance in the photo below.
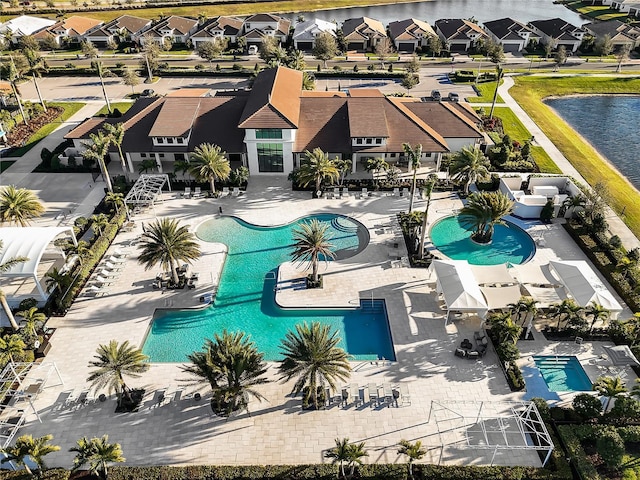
(245, 300)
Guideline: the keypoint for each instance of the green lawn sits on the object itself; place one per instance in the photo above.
(122, 106)
(486, 90)
(529, 92)
(517, 131)
(597, 12)
(70, 108)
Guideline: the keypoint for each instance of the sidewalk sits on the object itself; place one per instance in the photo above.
(616, 225)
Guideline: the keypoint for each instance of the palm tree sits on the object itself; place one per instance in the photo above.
(96, 150)
(413, 154)
(36, 65)
(312, 356)
(11, 345)
(33, 319)
(483, 211)
(509, 330)
(112, 363)
(316, 168)
(90, 51)
(97, 452)
(146, 165)
(181, 166)
(610, 387)
(311, 241)
(115, 199)
(167, 242)
(499, 73)
(413, 451)
(427, 191)
(4, 267)
(208, 164)
(19, 205)
(27, 446)
(568, 308)
(356, 453)
(116, 135)
(376, 165)
(232, 365)
(343, 166)
(468, 166)
(596, 312)
(573, 203)
(99, 222)
(53, 279)
(340, 454)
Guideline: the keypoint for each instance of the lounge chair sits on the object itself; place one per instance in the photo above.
(115, 260)
(101, 280)
(119, 253)
(396, 192)
(225, 191)
(405, 398)
(111, 267)
(459, 352)
(373, 394)
(236, 192)
(197, 193)
(364, 192)
(388, 394)
(345, 191)
(95, 291)
(354, 390)
(336, 191)
(404, 192)
(187, 192)
(106, 274)
(473, 355)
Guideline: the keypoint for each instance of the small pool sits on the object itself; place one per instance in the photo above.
(245, 300)
(563, 373)
(510, 243)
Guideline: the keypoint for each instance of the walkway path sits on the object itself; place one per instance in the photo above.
(616, 225)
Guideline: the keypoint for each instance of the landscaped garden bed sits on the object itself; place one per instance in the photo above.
(20, 134)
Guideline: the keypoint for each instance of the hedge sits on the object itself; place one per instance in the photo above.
(571, 436)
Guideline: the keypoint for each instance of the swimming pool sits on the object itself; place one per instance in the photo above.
(509, 244)
(563, 373)
(245, 300)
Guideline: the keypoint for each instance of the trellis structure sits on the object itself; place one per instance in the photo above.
(491, 426)
(147, 189)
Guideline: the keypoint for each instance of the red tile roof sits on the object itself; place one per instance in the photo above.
(176, 117)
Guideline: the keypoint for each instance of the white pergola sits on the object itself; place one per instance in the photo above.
(147, 189)
(491, 426)
(31, 243)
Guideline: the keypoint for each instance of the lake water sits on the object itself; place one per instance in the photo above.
(610, 123)
(483, 10)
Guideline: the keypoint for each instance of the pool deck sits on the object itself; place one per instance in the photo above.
(277, 431)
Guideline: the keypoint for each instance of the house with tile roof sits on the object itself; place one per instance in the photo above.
(268, 128)
(125, 28)
(407, 35)
(559, 33)
(459, 35)
(511, 34)
(174, 28)
(257, 27)
(219, 27)
(362, 33)
(620, 33)
(68, 30)
(22, 26)
(305, 33)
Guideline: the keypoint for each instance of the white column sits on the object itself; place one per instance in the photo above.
(158, 162)
(129, 161)
(353, 163)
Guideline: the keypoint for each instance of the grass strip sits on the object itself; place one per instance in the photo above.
(122, 106)
(529, 92)
(486, 91)
(70, 108)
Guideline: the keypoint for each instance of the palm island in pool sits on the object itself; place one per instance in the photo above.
(245, 300)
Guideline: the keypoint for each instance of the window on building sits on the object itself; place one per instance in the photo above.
(160, 140)
(169, 140)
(180, 157)
(267, 133)
(427, 155)
(378, 141)
(358, 141)
(369, 141)
(161, 155)
(270, 157)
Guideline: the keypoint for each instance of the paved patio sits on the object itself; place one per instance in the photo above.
(277, 431)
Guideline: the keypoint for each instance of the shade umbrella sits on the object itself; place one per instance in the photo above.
(621, 355)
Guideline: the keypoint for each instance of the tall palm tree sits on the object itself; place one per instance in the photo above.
(98, 453)
(36, 66)
(525, 305)
(483, 211)
(115, 199)
(317, 168)
(97, 149)
(13, 75)
(427, 191)
(311, 241)
(596, 312)
(27, 446)
(11, 345)
(19, 206)
(312, 356)
(116, 135)
(33, 319)
(5, 267)
(468, 166)
(565, 311)
(232, 365)
(413, 452)
(610, 387)
(166, 242)
(208, 164)
(90, 51)
(413, 154)
(499, 73)
(112, 363)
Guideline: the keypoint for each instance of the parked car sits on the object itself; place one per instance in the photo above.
(436, 95)
(454, 97)
(147, 92)
(253, 50)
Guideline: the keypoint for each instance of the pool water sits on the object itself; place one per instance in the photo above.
(563, 373)
(245, 300)
(509, 244)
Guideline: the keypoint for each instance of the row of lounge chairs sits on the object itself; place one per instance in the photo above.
(106, 273)
(197, 192)
(343, 192)
(371, 394)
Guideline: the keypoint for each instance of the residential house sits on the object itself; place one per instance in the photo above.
(268, 128)
(632, 7)
(305, 33)
(559, 33)
(362, 33)
(407, 35)
(126, 28)
(511, 34)
(175, 29)
(620, 33)
(68, 30)
(262, 25)
(220, 27)
(459, 35)
(23, 26)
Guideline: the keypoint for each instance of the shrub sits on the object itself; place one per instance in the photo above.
(27, 303)
(199, 66)
(543, 408)
(236, 67)
(587, 406)
(610, 446)
(625, 410)
(615, 242)
(547, 212)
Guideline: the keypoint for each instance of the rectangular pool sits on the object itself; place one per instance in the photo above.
(563, 373)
